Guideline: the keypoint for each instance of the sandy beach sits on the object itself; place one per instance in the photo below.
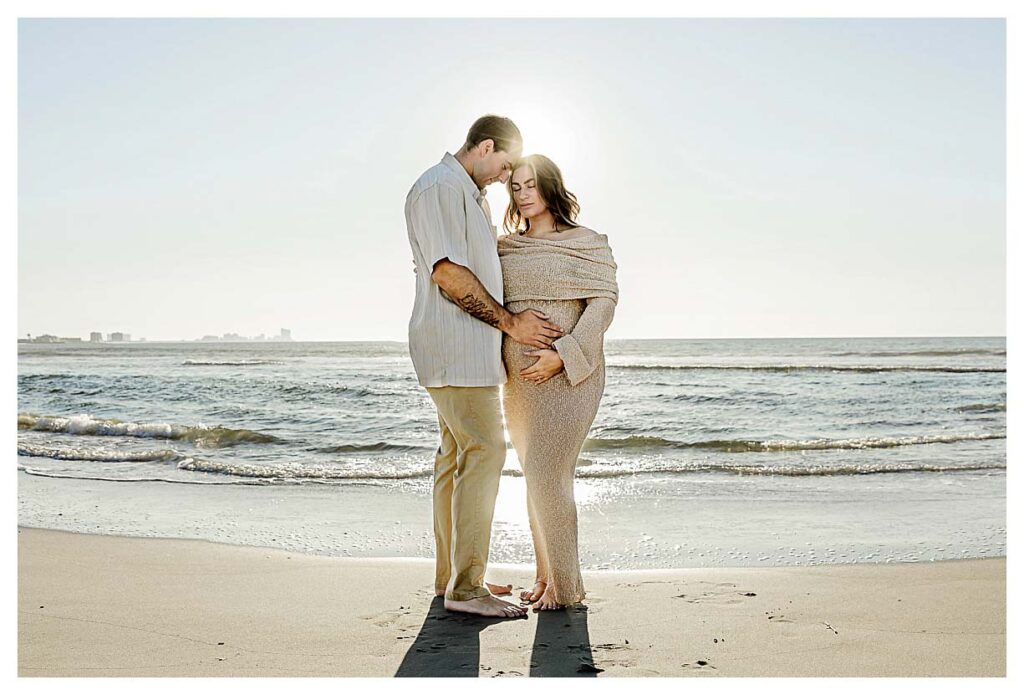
(94, 605)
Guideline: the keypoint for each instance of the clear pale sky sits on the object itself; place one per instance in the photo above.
(756, 178)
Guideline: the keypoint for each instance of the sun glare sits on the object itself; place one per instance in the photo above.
(562, 132)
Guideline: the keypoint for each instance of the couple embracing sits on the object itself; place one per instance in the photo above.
(527, 310)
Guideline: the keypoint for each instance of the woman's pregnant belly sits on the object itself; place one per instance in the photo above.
(562, 312)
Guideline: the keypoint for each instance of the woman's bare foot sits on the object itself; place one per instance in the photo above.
(499, 589)
(531, 595)
(547, 602)
(489, 606)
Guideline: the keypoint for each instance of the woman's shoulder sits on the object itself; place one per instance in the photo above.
(515, 239)
(582, 233)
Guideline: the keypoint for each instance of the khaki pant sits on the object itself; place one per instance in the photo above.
(467, 469)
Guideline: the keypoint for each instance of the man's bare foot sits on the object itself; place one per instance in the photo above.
(489, 606)
(496, 589)
(531, 595)
(499, 589)
(547, 602)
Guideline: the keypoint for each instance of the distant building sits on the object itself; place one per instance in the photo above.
(95, 337)
(47, 338)
(117, 337)
(236, 337)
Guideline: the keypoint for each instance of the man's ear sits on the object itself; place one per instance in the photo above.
(486, 147)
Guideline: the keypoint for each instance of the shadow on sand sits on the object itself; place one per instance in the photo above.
(448, 644)
(561, 645)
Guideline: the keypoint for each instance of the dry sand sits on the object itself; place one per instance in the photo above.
(91, 605)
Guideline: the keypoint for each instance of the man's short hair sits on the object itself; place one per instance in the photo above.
(501, 130)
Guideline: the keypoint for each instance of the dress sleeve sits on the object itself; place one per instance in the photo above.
(583, 349)
(438, 223)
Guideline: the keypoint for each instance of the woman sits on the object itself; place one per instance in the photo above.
(552, 264)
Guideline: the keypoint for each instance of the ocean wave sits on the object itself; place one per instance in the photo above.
(785, 368)
(285, 471)
(924, 353)
(768, 445)
(696, 398)
(200, 435)
(378, 448)
(787, 470)
(90, 454)
(154, 479)
(307, 390)
(983, 408)
(228, 363)
(249, 474)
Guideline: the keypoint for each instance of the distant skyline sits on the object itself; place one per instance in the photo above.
(756, 178)
(283, 335)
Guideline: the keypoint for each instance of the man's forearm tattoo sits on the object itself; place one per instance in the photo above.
(479, 309)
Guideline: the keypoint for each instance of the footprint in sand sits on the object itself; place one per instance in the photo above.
(633, 585)
(699, 665)
(717, 593)
(713, 597)
(386, 619)
(614, 655)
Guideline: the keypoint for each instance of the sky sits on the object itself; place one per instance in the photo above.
(755, 178)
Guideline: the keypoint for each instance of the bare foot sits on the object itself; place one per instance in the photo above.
(499, 589)
(531, 595)
(496, 589)
(488, 606)
(547, 602)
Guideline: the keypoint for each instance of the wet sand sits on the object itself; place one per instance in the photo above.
(92, 605)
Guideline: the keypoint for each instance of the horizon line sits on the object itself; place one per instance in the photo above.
(392, 340)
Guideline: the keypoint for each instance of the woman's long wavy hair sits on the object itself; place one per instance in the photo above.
(548, 178)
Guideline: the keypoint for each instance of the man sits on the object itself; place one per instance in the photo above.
(455, 342)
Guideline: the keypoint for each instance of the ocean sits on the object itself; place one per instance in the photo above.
(704, 452)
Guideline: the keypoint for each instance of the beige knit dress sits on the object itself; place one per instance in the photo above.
(573, 282)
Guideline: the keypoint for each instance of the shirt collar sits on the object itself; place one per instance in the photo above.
(468, 183)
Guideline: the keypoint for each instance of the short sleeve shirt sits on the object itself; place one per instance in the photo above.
(447, 217)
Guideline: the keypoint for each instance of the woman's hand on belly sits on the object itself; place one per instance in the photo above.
(547, 365)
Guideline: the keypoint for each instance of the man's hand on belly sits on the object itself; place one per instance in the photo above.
(533, 328)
